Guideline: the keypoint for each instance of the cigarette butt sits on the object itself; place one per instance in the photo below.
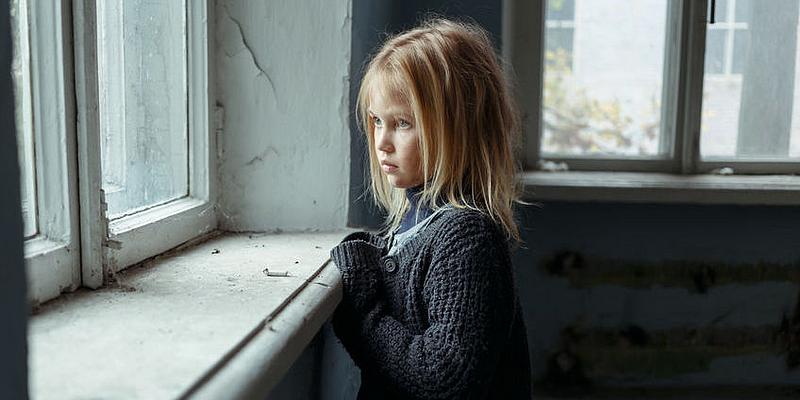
(275, 273)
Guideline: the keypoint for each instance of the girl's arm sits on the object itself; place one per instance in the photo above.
(470, 299)
(357, 257)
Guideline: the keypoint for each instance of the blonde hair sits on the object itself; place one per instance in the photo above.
(468, 126)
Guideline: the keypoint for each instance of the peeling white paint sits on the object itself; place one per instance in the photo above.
(283, 81)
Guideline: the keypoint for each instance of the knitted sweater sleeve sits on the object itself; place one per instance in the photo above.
(469, 297)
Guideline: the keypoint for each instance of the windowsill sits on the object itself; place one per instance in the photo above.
(205, 321)
(661, 188)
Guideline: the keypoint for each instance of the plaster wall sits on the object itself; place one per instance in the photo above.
(282, 114)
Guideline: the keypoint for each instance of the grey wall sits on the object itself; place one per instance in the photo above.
(323, 371)
(722, 273)
(282, 79)
(13, 307)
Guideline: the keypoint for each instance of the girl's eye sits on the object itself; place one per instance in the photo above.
(377, 122)
(403, 124)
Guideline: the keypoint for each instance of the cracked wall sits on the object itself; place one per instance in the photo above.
(282, 93)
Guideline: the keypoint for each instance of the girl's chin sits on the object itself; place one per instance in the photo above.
(397, 183)
(401, 184)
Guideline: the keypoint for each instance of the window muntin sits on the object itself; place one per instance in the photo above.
(605, 98)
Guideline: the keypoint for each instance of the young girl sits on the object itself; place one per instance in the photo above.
(430, 309)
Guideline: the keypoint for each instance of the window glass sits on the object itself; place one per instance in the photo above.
(715, 51)
(603, 79)
(721, 11)
(142, 57)
(560, 10)
(751, 83)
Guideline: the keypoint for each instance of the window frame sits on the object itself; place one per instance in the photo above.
(113, 245)
(24, 124)
(53, 255)
(524, 25)
(76, 245)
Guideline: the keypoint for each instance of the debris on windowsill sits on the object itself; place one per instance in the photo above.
(275, 273)
(722, 171)
(112, 244)
(552, 166)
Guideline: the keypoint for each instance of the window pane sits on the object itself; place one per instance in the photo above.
(143, 103)
(741, 45)
(609, 102)
(563, 10)
(754, 113)
(715, 51)
(20, 72)
(743, 10)
(721, 12)
(559, 47)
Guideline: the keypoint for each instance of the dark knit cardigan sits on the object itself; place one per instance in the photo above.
(440, 319)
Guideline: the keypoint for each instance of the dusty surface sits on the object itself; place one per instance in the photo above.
(166, 323)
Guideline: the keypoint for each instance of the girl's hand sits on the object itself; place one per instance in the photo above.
(359, 262)
(371, 238)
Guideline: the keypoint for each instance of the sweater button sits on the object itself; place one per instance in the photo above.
(390, 265)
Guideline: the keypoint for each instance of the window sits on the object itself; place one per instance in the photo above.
(560, 33)
(143, 104)
(152, 127)
(751, 94)
(129, 178)
(645, 86)
(606, 99)
(727, 39)
(45, 137)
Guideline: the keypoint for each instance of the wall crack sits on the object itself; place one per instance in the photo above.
(246, 44)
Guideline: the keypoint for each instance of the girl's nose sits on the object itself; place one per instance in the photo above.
(385, 143)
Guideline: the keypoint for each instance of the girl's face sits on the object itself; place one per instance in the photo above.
(396, 140)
